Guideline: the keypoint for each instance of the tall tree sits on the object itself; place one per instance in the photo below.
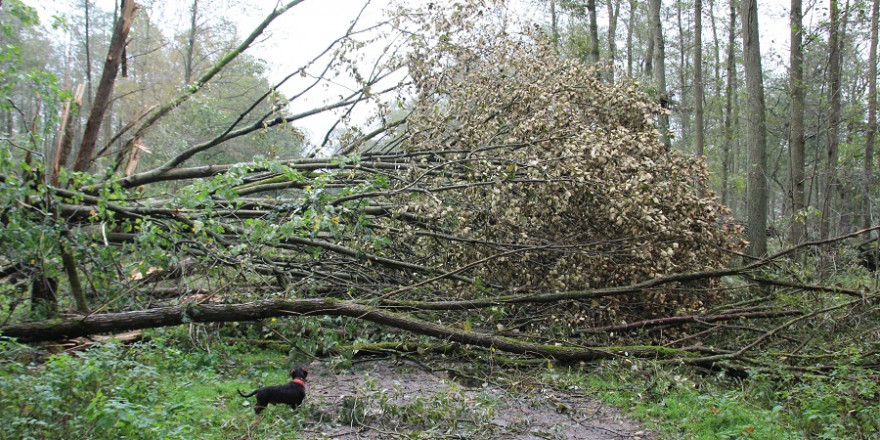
(659, 64)
(867, 183)
(833, 131)
(756, 132)
(189, 54)
(698, 77)
(594, 32)
(796, 142)
(613, 14)
(88, 49)
(630, 27)
(729, 96)
(683, 108)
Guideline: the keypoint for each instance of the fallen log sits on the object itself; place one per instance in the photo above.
(169, 316)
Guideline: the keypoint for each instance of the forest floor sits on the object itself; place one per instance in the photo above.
(382, 399)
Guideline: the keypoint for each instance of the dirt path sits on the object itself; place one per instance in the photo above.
(385, 400)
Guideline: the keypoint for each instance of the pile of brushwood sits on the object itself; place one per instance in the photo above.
(504, 197)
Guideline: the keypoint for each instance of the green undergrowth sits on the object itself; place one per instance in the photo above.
(180, 384)
(177, 384)
(683, 403)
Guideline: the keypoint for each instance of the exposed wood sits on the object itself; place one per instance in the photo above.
(65, 141)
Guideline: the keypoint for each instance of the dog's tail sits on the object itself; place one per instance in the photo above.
(246, 395)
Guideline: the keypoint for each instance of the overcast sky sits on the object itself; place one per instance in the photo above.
(308, 28)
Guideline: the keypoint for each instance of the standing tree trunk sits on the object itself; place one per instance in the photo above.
(728, 106)
(188, 62)
(684, 109)
(659, 63)
(594, 32)
(796, 143)
(631, 23)
(867, 183)
(698, 77)
(756, 133)
(834, 58)
(88, 51)
(613, 14)
(105, 87)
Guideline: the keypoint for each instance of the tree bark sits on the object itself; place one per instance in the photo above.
(796, 142)
(629, 38)
(169, 316)
(729, 98)
(594, 32)
(833, 142)
(613, 14)
(698, 78)
(188, 63)
(88, 50)
(756, 133)
(868, 181)
(684, 107)
(105, 87)
(659, 63)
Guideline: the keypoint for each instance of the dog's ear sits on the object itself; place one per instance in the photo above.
(305, 372)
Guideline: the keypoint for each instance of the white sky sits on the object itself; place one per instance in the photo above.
(309, 27)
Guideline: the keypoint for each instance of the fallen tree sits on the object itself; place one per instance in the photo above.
(499, 183)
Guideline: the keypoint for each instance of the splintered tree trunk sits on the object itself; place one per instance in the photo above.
(833, 121)
(872, 119)
(796, 167)
(756, 133)
(105, 87)
(659, 63)
(698, 78)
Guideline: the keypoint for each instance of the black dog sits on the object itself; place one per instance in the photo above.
(291, 393)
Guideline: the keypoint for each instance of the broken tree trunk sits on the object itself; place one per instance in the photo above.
(105, 87)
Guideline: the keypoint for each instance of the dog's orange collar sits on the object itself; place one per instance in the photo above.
(300, 382)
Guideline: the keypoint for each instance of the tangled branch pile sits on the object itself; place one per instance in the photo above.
(512, 172)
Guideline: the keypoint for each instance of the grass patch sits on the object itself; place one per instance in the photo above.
(683, 403)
